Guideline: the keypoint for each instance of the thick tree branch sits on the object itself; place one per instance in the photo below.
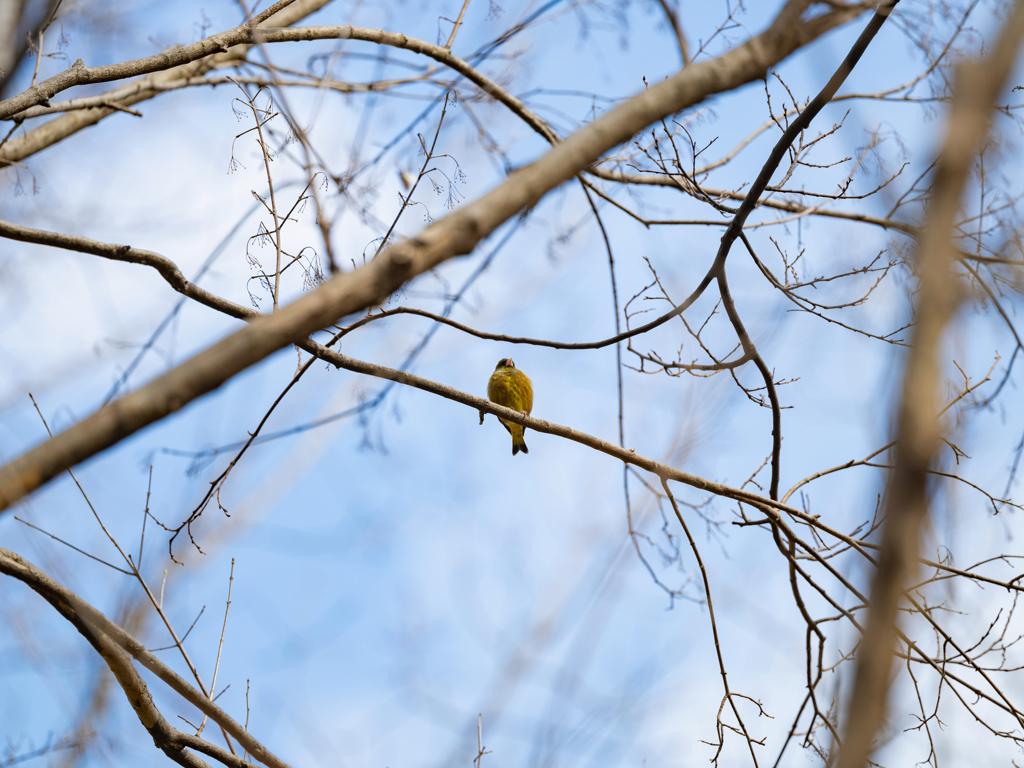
(230, 47)
(978, 85)
(114, 645)
(79, 74)
(60, 128)
(454, 235)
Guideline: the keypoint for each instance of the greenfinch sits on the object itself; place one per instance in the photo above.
(512, 388)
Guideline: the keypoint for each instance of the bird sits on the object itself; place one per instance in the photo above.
(512, 388)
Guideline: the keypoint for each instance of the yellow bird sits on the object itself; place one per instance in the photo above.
(512, 388)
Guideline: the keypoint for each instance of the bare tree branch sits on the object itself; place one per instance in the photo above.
(978, 85)
(122, 97)
(456, 234)
(114, 646)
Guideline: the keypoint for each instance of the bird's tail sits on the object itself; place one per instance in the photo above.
(518, 442)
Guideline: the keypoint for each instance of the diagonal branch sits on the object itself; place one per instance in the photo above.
(79, 74)
(114, 646)
(456, 234)
(118, 99)
(918, 435)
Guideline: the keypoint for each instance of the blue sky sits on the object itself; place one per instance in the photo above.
(399, 573)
